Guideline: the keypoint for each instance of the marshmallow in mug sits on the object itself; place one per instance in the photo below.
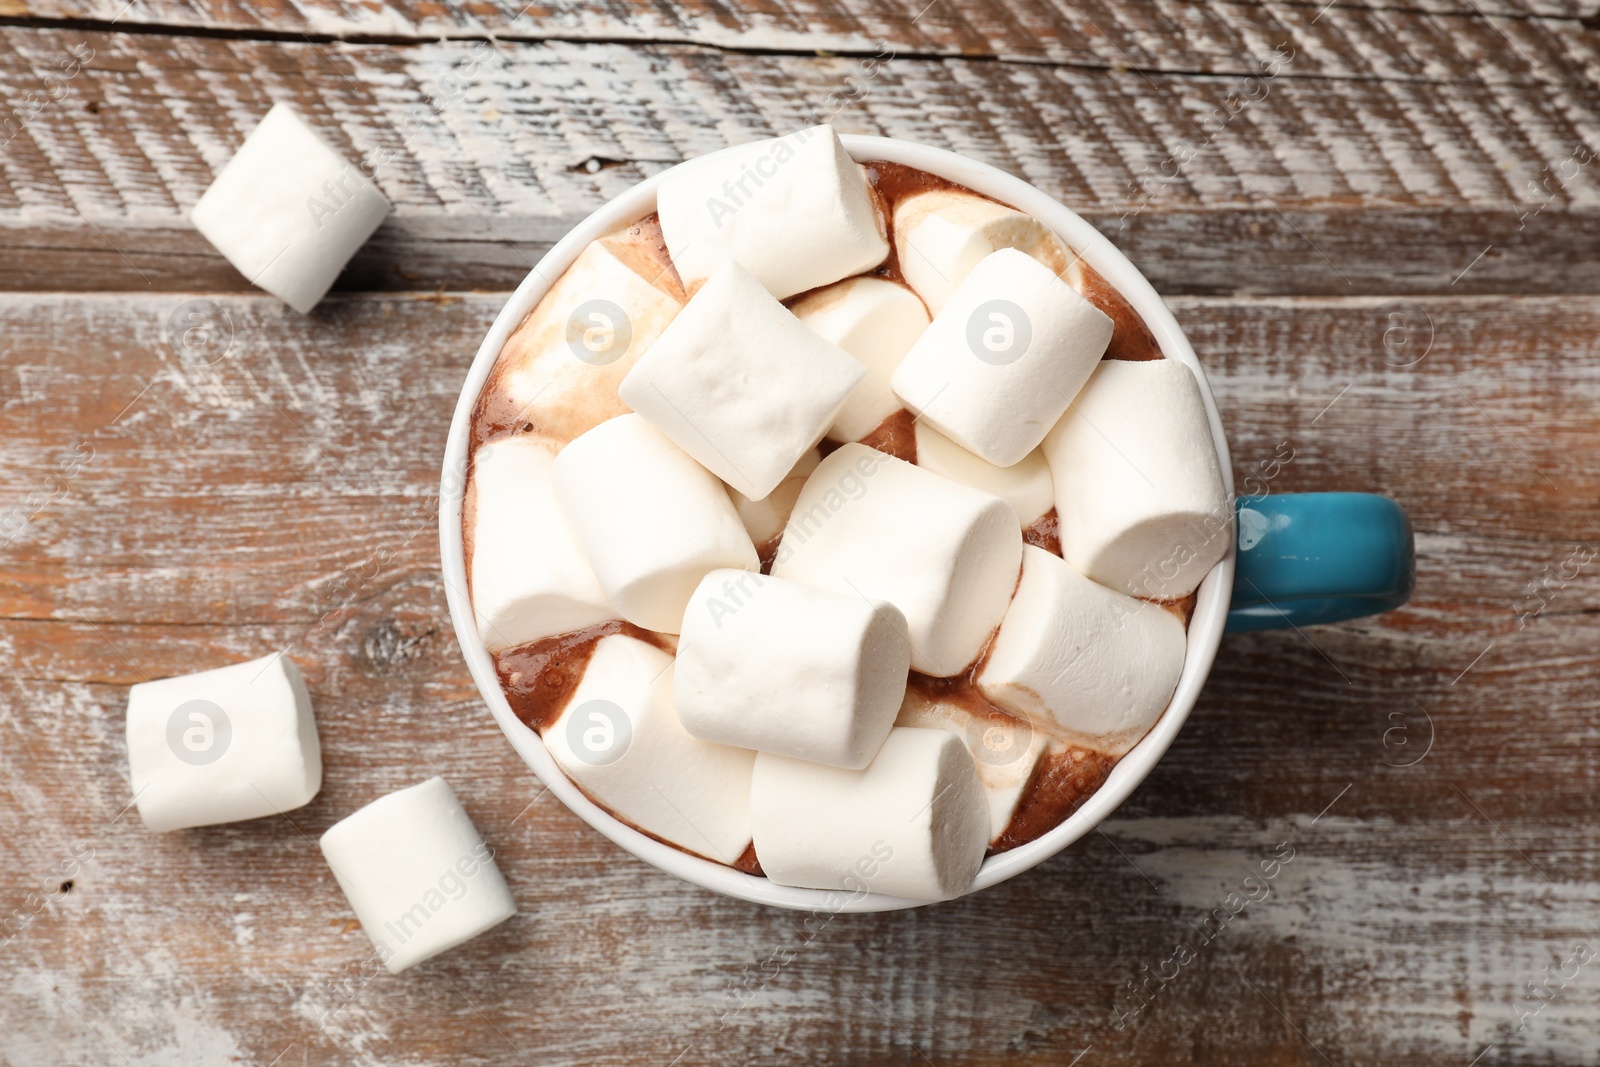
(560, 369)
(1142, 502)
(795, 211)
(740, 384)
(1025, 485)
(912, 824)
(942, 234)
(1131, 338)
(946, 555)
(877, 322)
(619, 738)
(233, 743)
(1005, 357)
(650, 521)
(1005, 749)
(529, 580)
(777, 666)
(1082, 660)
(417, 874)
(763, 519)
(288, 211)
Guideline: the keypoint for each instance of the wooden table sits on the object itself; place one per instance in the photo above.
(1378, 221)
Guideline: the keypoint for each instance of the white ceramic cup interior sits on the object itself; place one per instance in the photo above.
(1205, 628)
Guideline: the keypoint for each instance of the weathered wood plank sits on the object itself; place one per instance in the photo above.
(612, 964)
(1233, 250)
(1141, 33)
(124, 405)
(1323, 184)
(238, 502)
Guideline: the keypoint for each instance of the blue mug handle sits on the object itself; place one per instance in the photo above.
(1310, 558)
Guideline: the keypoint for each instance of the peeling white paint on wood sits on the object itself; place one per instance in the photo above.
(1056, 31)
(1339, 177)
(508, 128)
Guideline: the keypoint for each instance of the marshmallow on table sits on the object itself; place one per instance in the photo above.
(913, 824)
(943, 233)
(1005, 357)
(620, 740)
(1005, 749)
(946, 555)
(763, 519)
(1085, 662)
(529, 581)
(1025, 485)
(560, 369)
(417, 874)
(222, 745)
(877, 322)
(288, 211)
(1141, 499)
(740, 384)
(650, 520)
(774, 665)
(795, 211)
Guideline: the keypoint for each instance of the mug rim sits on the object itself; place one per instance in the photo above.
(1205, 626)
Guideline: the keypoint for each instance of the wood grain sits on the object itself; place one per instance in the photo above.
(280, 497)
(1341, 176)
(1134, 33)
(191, 475)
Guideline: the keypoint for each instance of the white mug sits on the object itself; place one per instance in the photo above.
(1205, 628)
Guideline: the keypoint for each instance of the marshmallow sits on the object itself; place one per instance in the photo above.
(1005, 749)
(877, 322)
(912, 824)
(620, 740)
(1004, 358)
(287, 211)
(763, 519)
(1084, 662)
(650, 520)
(529, 581)
(1024, 485)
(795, 211)
(774, 665)
(943, 233)
(559, 371)
(880, 528)
(417, 874)
(1142, 502)
(740, 384)
(222, 745)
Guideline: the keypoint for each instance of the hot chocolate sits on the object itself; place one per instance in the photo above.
(878, 417)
